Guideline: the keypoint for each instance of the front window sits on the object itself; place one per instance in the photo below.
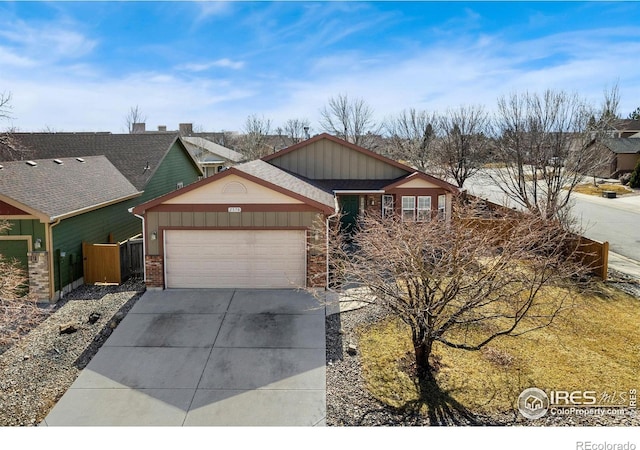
(387, 206)
(424, 208)
(442, 206)
(408, 208)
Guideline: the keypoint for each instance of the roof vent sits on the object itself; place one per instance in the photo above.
(1, 167)
(57, 161)
(32, 163)
(80, 160)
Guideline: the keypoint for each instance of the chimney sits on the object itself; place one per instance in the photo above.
(186, 129)
(162, 128)
(138, 127)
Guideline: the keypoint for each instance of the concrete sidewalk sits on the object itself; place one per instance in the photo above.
(625, 265)
(206, 357)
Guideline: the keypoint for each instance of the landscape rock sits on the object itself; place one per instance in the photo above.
(68, 328)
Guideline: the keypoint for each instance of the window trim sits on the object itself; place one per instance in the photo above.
(388, 209)
(411, 209)
(419, 210)
(442, 207)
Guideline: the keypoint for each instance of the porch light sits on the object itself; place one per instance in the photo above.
(154, 236)
(37, 244)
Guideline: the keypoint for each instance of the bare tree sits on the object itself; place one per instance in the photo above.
(5, 105)
(254, 143)
(133, 117)
(461, 283)
(542, 140)
(351, 120)
(293, 131)
(465, 141)
(412, 138)
(10, 148)
(18, 312)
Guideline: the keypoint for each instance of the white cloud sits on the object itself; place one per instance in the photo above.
(224, 63)
(27, 45)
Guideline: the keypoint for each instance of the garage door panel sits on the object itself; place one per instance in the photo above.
(235, 258)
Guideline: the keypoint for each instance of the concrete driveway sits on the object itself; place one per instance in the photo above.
(206, 357)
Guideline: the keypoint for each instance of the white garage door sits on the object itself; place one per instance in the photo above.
(235, 258)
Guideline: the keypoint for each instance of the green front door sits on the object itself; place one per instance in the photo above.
(349, 205)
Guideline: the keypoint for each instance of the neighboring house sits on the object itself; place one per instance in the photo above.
(55, 204)
(257, 224)
(154, 163)
(625, 128)
(623, 152)
(211, 157)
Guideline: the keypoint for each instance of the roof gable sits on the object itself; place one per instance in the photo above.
(259, 176)
(326, 157)
(136, 156)
(54, 189)
(419, 180)
(210, 150)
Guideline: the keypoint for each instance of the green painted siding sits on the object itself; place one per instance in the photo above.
(27, 227)
(95, 226)
(176, 167)
(18, 249)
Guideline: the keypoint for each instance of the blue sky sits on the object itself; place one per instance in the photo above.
(76, 66)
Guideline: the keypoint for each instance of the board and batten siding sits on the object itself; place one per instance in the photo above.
(219, 220)
(328, 160)
(176, 167)
(93, 227)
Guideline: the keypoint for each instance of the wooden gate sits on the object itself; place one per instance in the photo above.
(101, 263)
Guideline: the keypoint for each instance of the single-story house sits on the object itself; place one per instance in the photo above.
(624, 154)
(53, 205)
(253, 224)
(153, 164)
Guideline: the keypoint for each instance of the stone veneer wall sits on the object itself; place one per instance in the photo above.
(38, 271)
(155, 271)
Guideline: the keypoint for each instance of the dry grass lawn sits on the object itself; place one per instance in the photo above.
(594, 345)
(590, 189)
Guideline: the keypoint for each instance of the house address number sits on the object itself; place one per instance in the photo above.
(234, 209)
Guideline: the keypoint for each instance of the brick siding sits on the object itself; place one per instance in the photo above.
(155, 271)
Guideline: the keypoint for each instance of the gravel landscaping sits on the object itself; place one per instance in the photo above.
(37, 370)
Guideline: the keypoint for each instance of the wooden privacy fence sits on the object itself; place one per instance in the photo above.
(112, 263)
(592, 254)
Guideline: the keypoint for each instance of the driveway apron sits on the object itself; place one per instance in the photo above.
(206, 357)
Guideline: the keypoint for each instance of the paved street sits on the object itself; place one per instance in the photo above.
(612, 220)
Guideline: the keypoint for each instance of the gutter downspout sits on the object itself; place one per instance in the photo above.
(144, 245)
(335, 214)
(49, 247)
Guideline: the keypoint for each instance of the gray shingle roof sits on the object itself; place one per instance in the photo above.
(279, 177)
(211, 147)
(623, 145)
(130, 153)
(61, 189)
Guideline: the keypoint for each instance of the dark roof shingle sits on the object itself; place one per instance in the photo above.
(623, 145)
(62, 188)
(129, 153)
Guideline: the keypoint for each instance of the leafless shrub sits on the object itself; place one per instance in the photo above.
(18, 311)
